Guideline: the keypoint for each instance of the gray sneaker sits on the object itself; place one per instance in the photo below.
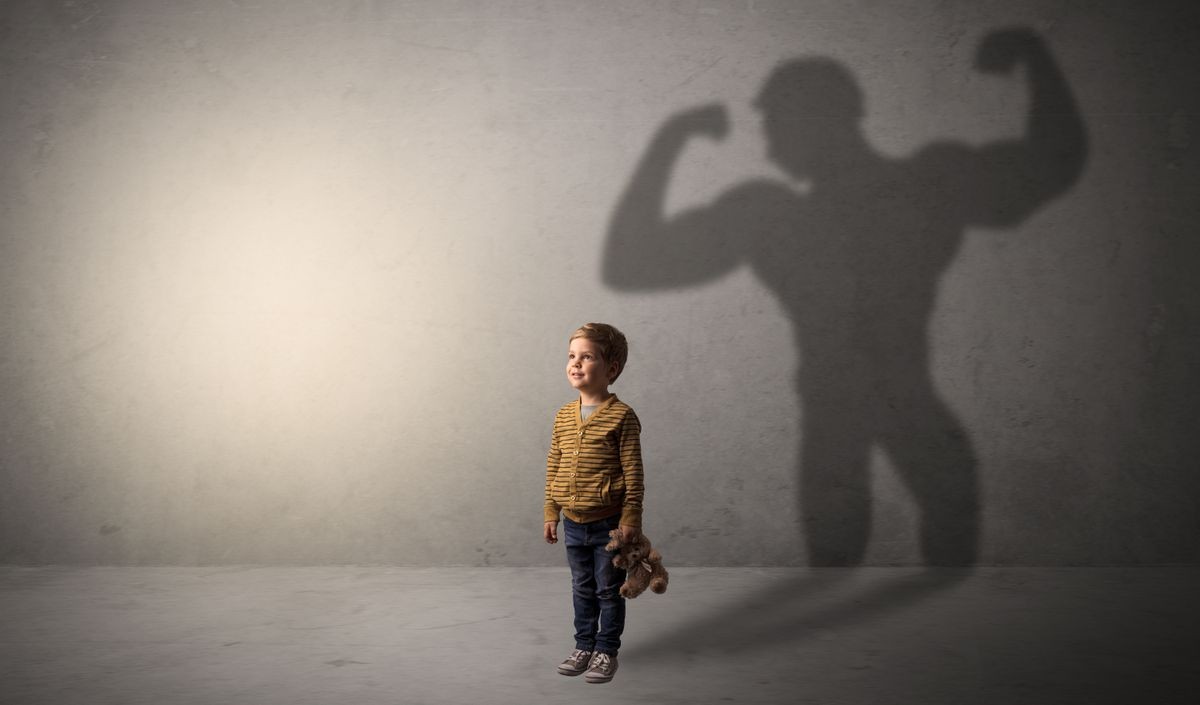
(602, 669)
(576, 663)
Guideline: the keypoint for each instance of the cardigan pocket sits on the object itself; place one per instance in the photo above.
(616, 490)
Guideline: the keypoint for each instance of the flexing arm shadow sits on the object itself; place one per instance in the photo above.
(1002, 184)
(647, 250)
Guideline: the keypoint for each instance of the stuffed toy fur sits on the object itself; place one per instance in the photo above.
(642, 564)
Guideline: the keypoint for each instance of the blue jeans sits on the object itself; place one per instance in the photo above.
(595, 585)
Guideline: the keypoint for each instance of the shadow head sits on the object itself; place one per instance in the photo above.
(812, 111)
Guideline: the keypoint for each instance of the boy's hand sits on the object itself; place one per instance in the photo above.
(629, 534)
(550, 531)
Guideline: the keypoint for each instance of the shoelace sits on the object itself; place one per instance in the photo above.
(601, 661)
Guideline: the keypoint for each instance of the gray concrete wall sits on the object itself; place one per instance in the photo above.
(291, 282)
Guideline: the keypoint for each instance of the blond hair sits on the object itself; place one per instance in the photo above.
(612, 343)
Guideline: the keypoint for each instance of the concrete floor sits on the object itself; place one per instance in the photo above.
(493, 636)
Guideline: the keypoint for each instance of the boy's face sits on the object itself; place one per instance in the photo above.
(586, 369)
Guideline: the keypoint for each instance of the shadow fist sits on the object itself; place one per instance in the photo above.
(1001, 50)
(711, 121)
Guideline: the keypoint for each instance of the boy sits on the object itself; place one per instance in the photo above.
(594, 476)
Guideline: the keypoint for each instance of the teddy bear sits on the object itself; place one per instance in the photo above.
(642, 564)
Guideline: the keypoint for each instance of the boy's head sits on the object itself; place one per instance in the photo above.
(609, 343)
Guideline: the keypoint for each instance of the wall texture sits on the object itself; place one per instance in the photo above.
(291, 282)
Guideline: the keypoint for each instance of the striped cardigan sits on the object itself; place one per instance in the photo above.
(594, 468)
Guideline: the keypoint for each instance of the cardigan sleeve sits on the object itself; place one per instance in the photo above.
(631, 468)
(550, 507)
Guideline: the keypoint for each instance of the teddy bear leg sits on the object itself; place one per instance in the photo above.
(658, 582)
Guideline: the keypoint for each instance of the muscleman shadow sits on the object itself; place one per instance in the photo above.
(854, 251)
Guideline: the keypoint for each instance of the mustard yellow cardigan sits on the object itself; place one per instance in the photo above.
(594, 468)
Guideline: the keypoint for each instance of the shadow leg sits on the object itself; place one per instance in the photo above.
(835, 495)
(933, 455)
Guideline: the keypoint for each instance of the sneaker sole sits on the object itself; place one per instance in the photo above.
(571, 673)
(599, 679)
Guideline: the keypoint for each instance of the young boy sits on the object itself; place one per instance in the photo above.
(594, 476)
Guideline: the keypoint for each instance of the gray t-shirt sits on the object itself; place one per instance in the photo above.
(585, 410)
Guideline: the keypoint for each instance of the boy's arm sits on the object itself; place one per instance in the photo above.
(549, 506)
(631, 467)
